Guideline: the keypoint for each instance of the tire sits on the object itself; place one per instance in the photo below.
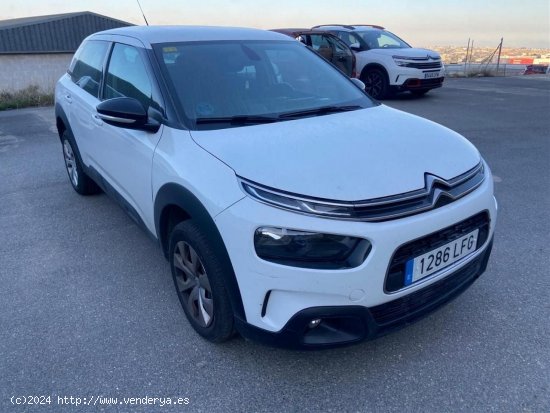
(199, 281)
(419, 93)
(376, 83)
(80, 182)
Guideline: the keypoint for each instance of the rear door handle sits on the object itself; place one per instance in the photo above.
(68, 98)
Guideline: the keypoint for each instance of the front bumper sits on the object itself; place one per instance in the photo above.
(275, 296)
(345, 325)
(408, 79)
(419, 84)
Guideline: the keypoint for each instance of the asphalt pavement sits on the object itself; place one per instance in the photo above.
(88, 309)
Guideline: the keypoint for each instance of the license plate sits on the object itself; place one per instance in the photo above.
(439, 258)
(431, 75)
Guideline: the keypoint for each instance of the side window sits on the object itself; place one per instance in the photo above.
(387, 41)
(87, 66)
(127, 76)
(322, 46)
(344, 36)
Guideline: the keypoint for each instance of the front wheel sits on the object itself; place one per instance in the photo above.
(198, 277)
(376, 83)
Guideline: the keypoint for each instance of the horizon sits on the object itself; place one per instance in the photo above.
(450, 24)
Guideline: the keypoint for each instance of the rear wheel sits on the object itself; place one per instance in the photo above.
(198, 278)
(80, 182)
(376, 83)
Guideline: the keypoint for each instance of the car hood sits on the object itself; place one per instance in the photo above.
(408, 53)
(351, 156)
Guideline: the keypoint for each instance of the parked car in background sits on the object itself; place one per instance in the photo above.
(292, 207)
(537, 70)
(386, 63)
(327, 45)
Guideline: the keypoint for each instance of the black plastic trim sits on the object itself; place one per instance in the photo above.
(346, 325)
(172, 194)
(112, 193)
(395, 274)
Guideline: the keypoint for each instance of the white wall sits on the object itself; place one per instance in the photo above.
(19, 71)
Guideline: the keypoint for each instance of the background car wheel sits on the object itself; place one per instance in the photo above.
(198, 278)
(376, 83)
(81, 182)
(419, 92)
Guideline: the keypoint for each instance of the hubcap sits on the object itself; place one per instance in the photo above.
(193, 284)
(374, 84)
(70, 162)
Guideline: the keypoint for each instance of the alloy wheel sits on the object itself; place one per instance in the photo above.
(70, 162)
(374, 84)
(193, 284)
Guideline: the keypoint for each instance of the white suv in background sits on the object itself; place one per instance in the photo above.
(386, 63)
(292, 207)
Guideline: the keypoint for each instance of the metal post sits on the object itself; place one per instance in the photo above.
(471, 54)
(499, 51)
(466, 58)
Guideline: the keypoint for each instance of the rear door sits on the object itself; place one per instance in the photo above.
(122, 156)
(81, 94)
(335, 51)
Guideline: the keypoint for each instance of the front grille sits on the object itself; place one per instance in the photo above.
(410, 307)
(429, 65)
(437, 192)
(395, 277)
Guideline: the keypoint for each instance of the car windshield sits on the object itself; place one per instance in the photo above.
(220, 84)
(382, 39)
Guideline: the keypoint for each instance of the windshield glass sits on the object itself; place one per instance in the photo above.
(382, 39)
(235, 83)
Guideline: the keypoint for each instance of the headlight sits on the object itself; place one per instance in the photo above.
(310, 249)
(400, 61)
(307, 206)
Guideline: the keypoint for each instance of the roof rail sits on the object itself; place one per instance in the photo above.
(345, 26)
(370, 25)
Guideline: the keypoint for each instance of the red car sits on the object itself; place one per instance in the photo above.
(327, 45)
(536, 70)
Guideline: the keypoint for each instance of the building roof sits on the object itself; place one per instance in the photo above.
(56, 33)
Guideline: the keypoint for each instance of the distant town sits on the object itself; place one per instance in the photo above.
(509, 55)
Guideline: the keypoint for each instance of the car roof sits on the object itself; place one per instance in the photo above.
(297, 32)
(171, 34)
(348, 27)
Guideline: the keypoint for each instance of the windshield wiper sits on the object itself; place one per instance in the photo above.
(239, 120)
(323, 110)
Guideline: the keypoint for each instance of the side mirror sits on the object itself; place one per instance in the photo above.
(358, 83)
(126, 113)
(356, 47)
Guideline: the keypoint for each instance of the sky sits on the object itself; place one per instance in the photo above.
(522, 23)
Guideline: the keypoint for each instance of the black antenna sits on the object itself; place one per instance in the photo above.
(143, 14)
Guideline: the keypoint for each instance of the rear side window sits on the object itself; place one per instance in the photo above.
(87, 65)
(127, 75)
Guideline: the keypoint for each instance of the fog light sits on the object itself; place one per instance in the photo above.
(314, 323)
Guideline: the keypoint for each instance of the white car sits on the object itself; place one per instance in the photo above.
(386, 63)
(292, 208)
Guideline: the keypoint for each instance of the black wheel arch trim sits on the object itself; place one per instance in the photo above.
(370, 66)
(172, 194)
(62, 119)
